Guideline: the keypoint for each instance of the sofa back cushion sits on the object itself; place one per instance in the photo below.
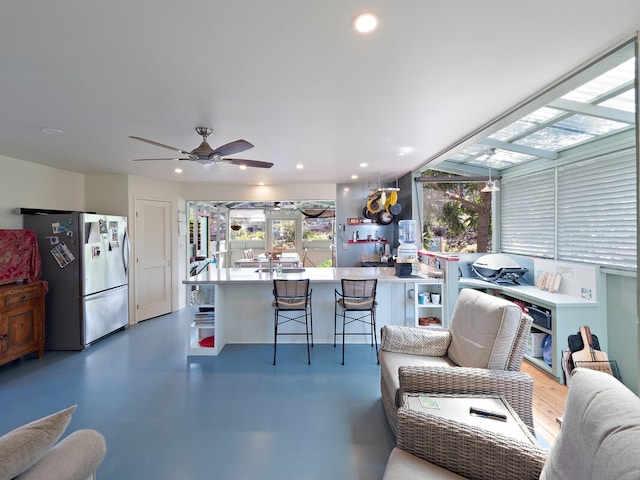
(483, 329)
(600, 434)
(26, 445)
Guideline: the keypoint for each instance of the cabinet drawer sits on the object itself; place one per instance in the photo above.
(24, 296)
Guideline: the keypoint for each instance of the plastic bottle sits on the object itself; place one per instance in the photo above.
(407, 231)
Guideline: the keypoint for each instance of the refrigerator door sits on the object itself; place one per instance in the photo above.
(104, 252)
(104, 313)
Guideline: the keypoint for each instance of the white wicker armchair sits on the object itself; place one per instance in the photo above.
(481, 353)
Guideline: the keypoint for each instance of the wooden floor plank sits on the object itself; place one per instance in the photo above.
(549, 398)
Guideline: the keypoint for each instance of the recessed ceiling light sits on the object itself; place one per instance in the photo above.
(299, 166)
(364, 164)
(243, 167)
(51, 131)
(345, 189)
(402, 151)
(353, 177)
(178, 170)
(261, 183)
(365, 22)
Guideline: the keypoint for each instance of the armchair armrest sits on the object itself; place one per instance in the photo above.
(516, 387)
(467, 450)
(415, 341)
(77, 456)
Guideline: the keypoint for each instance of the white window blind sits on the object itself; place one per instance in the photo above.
(597, 210)
(527, 214)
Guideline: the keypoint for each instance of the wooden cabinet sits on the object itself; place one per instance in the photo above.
(21, 320)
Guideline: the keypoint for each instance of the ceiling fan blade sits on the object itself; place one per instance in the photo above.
(248, 163)
(232, 148)
(153, 159)
(175, 149)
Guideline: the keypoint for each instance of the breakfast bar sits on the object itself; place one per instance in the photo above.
(243, 297)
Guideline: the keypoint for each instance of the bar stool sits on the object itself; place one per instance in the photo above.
(292, 303)
(356, 303)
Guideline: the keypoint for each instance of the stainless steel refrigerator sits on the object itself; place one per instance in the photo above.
(85, 260)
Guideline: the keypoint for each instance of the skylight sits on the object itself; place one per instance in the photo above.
(599, 103)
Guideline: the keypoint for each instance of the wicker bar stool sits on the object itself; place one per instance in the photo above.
(356, 303)
(292, 303)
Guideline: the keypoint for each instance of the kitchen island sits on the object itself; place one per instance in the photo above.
(243, 296)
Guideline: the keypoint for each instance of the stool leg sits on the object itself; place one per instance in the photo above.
(275, 335)
(375, 334)
(343, 335)
(335, 324)
(306, 324)
(311, 321)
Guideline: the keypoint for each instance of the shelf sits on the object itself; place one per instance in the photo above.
(368, 241)
(196, 349)
(542, 329)
(539, 362)
(428, 310)
(202, 322)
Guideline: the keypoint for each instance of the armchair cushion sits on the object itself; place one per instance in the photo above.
(390, 363)
(483, 329)
(415, 341)
(24, 446)
(600, 431)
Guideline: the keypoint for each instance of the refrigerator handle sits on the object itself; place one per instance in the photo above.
(125, 252)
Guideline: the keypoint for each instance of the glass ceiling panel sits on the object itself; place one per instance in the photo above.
(529, 122)
(606, 82)
(553, 129)
(625, 101)
(587, 124)
(554, 138)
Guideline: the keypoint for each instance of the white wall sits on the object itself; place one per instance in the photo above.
(320, 191)
(107, 194)
(29, 185)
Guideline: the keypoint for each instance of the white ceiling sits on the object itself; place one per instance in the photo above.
(289, 76)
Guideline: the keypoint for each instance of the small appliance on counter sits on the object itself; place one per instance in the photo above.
(498, 268)
(407, 258)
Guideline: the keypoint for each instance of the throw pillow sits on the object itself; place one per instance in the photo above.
(23, 447)
(415, 341)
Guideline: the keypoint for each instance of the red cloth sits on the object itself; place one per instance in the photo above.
(19, 256)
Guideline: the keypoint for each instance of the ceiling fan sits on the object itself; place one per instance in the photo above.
(206, 155)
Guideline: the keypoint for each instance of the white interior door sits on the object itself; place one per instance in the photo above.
(153, 259)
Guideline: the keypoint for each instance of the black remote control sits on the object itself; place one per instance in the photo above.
(481, 412)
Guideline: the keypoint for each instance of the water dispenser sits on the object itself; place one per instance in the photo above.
(408, 251)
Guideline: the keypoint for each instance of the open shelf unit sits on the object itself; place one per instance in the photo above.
(201, 321)
(426, 310)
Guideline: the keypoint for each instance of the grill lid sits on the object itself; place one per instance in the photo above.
(498, 268)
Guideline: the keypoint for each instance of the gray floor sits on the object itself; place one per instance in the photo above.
(235, 416)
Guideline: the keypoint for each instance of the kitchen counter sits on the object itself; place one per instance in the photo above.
(214, 276)
(528, 293)
(243, 297)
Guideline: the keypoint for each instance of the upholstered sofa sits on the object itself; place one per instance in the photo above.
(30, 452)
(480, 353)
(599, 440)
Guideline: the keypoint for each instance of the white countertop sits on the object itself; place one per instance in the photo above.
(249, 275)
(529, 293)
